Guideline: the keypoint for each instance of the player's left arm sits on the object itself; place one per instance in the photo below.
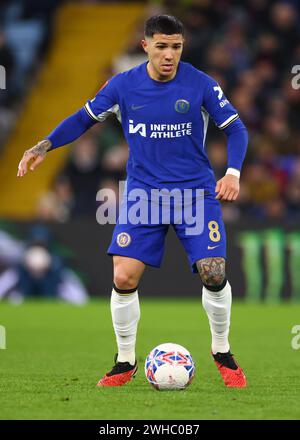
(228, 187)
(227, 119)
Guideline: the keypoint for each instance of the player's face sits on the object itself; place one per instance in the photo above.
(164, 53)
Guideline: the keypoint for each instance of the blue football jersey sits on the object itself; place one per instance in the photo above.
(165, 124)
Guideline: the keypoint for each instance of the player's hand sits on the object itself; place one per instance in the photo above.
(228, 188)
(33, 157)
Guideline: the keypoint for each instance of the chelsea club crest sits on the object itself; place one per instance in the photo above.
(123, 239)
(182, 106)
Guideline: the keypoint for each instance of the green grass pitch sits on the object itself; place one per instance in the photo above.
(56, 353)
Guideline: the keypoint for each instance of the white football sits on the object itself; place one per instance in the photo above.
(169, 367)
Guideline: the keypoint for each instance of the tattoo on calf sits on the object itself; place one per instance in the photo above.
(212, 270)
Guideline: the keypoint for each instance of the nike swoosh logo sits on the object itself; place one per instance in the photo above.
(137, 107)
(212, 247)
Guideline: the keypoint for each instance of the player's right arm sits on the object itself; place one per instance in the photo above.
(96, 110)
(67, 131)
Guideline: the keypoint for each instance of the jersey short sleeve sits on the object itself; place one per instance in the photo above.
(217, 105)
(105, 102)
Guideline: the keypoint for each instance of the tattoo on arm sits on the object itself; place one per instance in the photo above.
(40, 149)
(212, 270)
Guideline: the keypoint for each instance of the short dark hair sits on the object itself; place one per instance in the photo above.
(163, 24)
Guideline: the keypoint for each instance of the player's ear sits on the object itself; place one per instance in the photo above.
(144, 45)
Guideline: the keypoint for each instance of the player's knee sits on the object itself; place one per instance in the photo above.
(124, 280)
(212, 271)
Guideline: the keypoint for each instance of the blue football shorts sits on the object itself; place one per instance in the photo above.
(202, 234)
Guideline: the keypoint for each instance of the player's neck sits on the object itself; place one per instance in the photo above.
(156, 76)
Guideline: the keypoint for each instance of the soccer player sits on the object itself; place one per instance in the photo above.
(164, 106)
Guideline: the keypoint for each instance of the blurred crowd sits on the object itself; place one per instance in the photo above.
(33, 268)
(250, 48)
(25, 32)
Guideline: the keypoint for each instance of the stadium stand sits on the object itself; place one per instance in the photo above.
(71, 73)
